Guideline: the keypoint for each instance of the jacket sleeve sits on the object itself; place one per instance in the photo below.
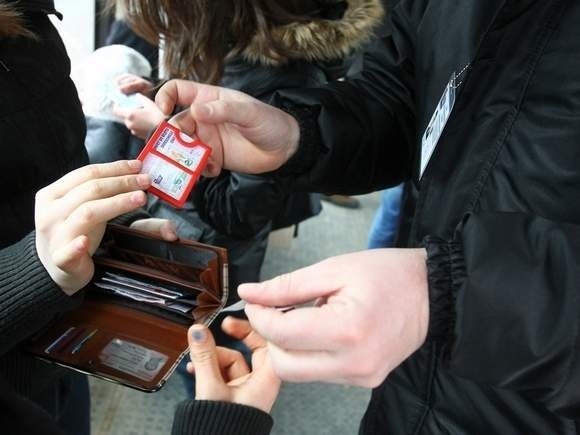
(238, 205)
(505, 294)
(29, 298)
(204, 417)
(363, 120)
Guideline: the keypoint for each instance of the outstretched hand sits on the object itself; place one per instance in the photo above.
(223, 375)
(371, 313)
(71, 215)
(245, 134)
(134, 84)
(140, 121)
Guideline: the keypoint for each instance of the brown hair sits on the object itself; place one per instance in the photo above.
(11, 22)
(199, 35)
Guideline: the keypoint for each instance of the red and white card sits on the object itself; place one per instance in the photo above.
(174, 161)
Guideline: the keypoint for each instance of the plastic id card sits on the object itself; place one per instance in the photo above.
(133, 359)
(174, 162)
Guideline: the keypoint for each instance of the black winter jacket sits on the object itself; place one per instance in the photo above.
(41, 137)
(498, 208)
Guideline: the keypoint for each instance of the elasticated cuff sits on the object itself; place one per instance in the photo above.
(446, 272)
(310, 143)
(204, 417)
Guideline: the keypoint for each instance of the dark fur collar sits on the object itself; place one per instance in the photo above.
(323, 40)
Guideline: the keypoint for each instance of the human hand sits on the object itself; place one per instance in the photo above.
(142, 120)
(134, 84)
(372, 312)
(245, 134)
(223, 375)
(162, 227)
(71, 215)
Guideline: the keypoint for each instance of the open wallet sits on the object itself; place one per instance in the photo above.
(131, 327)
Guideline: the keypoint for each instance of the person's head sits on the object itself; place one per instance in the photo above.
(11, 23)
(200, 34)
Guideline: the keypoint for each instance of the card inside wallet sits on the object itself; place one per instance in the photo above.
(131, 327)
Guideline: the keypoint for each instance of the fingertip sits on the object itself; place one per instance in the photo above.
(124, 88)
(161, 101)
(227, 323)
(198, 334)
(169, 231)
(252, 309)
(81, 244)
(135, 165)
(164, 107)
(203, 111)
(138, 198)
(211, 170)
(246, 291)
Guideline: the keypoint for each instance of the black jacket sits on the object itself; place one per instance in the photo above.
(497, 211)
(41, 137)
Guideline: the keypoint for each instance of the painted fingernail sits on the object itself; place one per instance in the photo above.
(134, 164)
(143, 180)
(198, 335)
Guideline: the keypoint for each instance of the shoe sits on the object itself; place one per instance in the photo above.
(342, 200)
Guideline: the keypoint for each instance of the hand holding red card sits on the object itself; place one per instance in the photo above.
(174, 161)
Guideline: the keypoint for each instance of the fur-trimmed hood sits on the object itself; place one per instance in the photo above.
(324, 39)
(11, 23)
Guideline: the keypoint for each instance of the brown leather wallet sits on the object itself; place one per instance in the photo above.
(131, 327)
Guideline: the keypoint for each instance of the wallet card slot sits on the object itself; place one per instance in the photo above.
(198, 257)
(181, 318)
(146, 291)
(142, 272)
(182, 271)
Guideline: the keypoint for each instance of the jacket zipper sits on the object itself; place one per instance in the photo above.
(4, 66)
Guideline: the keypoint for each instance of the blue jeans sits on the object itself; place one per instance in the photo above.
(386, 221)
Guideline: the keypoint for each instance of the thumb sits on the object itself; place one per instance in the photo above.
(202, 350)
(75, 265)
(243, 113)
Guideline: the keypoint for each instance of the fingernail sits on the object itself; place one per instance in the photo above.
(165, 108)
(245, 289)
(138, 198)
(198, 335)
(204, 110)
(143, 180)
(81, 245)
(134, 164)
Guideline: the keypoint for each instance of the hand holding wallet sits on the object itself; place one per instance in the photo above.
(132, 326)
